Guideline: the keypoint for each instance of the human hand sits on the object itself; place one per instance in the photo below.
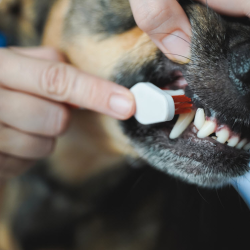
(34, 85)
(167, 25)
(233, 7)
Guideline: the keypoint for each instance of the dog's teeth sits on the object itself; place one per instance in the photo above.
(207, 129)
(199, 119)
(182, 123)
(241, 144)
(233, 141)
(247, 146)
(222, 135)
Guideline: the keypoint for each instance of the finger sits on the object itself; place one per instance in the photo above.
(236, 7)
(46, 53)
(12, 166)
(18, 144)
(32, 114)
(64, 83)
(167, 24)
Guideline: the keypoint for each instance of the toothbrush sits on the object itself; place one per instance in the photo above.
(154, 105)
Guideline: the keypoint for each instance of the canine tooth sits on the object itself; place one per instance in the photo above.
(241, 144)
(247, 146)
(199, 119)
(222, 135)
(233, 141)
(182, 123)
(207, 129)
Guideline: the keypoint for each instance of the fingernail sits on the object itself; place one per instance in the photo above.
(177, 45)
(121, 105)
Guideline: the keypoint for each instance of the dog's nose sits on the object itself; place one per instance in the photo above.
(240, 66)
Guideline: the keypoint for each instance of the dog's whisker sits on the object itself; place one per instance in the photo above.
(176, 36)
(178, 55)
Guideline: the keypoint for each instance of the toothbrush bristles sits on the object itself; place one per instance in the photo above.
(182, 111)
(183, 104)
(181, 98)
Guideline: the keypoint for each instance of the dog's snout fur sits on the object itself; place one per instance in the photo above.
(239, 67)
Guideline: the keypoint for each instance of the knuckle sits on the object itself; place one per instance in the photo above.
(54, 80)
(94, 97)
(150, 18)
(142, 20)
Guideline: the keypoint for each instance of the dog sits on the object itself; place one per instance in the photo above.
(119, 184)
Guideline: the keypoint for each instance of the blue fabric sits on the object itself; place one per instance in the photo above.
(242, 185)
(3, 42)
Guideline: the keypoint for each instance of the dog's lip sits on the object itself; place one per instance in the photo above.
(190, 135)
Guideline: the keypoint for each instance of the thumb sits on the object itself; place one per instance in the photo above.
(167, 25)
